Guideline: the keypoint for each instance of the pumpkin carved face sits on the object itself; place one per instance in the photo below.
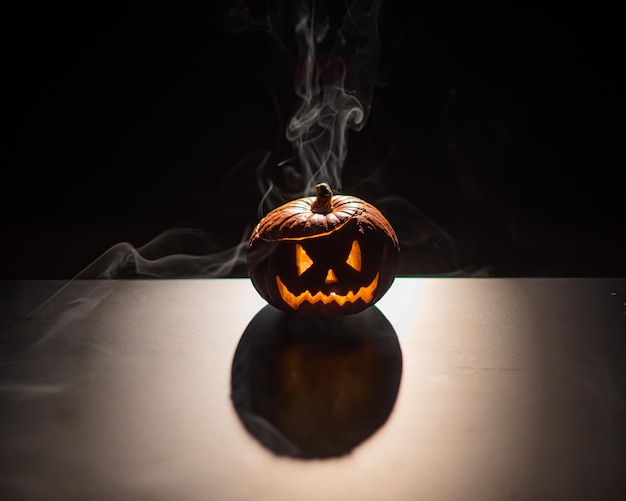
(328, 255)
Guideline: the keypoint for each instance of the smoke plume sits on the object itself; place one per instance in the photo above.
(334, 86)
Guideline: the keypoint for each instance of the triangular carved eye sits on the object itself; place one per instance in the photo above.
(303, 261)
(354, 258)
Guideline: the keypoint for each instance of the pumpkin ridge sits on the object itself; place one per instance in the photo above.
(368, 217)
(286, 239)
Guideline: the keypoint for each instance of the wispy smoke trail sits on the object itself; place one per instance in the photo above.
(175, 253)
(334, 86)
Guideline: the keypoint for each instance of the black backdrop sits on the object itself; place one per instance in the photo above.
(502, 123)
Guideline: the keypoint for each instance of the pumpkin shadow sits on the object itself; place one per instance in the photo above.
(313, 387)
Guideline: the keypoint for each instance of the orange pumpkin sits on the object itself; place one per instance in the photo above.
(328, 254)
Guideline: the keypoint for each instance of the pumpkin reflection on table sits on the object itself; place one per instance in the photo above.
(318, 370)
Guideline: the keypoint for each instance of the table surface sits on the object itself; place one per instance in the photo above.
(123, 389)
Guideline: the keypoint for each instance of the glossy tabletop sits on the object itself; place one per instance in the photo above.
(450, 388)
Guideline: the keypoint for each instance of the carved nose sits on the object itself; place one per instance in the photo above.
(331, 278)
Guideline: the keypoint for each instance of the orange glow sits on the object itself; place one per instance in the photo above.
(364, 293)
(354, 258)
(331, 278)
(303, 261)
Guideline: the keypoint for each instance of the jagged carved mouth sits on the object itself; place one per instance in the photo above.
(365, 294)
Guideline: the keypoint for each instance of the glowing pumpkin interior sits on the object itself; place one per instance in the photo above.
(326, 271)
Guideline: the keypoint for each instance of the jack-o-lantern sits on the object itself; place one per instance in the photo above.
(329, 254)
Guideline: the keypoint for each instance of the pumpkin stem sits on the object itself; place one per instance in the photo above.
(323, 202)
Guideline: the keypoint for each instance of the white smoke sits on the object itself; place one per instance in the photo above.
(334, 87)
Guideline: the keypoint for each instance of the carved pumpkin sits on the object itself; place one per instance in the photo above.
(329, 254)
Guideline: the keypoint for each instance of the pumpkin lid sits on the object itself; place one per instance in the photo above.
(318, 216)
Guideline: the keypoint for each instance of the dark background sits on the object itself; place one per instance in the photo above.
(500, 122)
